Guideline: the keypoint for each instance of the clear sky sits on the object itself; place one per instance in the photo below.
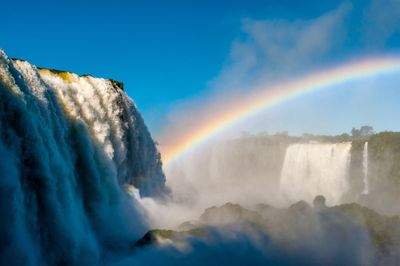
(171, 53)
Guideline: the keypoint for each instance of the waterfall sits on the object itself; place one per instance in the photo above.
(311, 169)
(68, 145)
(365, 168)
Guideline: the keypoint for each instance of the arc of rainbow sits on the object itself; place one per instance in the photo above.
(268, 97)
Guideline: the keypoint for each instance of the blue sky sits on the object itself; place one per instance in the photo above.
(170, 54)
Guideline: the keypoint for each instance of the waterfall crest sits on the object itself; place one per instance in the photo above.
(311, 169)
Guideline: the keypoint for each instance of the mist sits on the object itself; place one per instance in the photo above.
(286, 156)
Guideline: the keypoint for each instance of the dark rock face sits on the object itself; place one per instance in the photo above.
(319, 202)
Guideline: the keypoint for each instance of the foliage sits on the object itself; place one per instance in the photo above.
(385, 155)
(363, 132)
(384, 231)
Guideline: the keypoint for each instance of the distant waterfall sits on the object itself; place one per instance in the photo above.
(315, 169)
(365, 168)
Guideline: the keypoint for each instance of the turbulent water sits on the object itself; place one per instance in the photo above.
(315, 169)
(68, 146)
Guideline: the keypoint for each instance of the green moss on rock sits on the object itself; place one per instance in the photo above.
(157, 236)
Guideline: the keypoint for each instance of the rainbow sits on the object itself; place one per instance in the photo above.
(268, 97)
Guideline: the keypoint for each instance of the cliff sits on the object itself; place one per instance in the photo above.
(69, 144)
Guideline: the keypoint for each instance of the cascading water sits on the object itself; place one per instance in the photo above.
(68, 145)
(315, 169)
(365, 168)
